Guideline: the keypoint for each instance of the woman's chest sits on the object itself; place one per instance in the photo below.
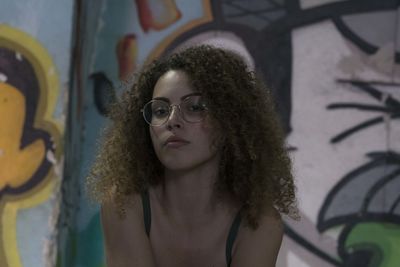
(174, 247)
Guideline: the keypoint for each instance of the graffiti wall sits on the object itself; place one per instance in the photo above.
(333, 67)
(34, 56)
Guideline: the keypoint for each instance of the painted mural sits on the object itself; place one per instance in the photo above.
(333, 67)
(354, 218)
(30, 144)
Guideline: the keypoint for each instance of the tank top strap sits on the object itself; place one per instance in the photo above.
(231, 238)
(146, 212)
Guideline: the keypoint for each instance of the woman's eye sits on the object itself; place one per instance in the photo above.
(160, 112)
(196, 108)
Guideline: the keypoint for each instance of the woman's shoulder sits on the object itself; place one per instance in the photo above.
(269, 222)
(128, 212)
(260, 246)
(125, 239)
(120, 227)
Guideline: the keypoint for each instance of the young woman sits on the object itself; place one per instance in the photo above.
(193, 171)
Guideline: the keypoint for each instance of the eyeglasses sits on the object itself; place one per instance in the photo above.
(192, 109)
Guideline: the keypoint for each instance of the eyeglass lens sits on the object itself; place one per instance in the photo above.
(192, 109)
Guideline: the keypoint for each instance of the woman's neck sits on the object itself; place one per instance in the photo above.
(189, 196)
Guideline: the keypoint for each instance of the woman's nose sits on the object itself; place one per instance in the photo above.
(175, 118)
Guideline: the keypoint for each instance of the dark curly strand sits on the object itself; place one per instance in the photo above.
(255, 168)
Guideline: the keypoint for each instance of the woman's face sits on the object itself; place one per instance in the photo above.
(181, 145)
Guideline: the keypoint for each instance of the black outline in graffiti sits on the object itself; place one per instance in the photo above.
(275, 56)
(355, 39)
(377, 159)
(391, 107)
(29, 87)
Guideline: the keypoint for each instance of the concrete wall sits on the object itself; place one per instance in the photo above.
(35, 44)
(333, 67)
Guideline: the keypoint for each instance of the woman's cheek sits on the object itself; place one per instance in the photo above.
(154, 137)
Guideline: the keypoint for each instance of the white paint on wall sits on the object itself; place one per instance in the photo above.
(18, 56)
(294, 260)
(3, 77)
(318, 51)
(32, 231)
(298, 254)
(318, 165)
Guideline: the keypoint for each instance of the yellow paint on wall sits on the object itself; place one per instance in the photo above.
(11, 128)
(12, 157)
(44, 67)
(160, 48)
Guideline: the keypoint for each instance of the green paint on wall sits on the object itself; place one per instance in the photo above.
(382, 240)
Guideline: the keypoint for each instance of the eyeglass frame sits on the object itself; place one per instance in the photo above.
(170, 109)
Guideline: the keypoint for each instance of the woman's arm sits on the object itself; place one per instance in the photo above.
(125, 241)
(260, 247)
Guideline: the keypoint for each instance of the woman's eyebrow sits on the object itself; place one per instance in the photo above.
(161, 98)
(182, 97)
(191, 94)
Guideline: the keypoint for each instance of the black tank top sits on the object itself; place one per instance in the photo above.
(231, 236)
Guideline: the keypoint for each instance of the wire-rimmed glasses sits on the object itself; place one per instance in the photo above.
(192, 109)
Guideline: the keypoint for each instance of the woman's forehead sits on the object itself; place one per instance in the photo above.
(173, 84)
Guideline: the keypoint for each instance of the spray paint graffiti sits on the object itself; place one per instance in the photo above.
(29, 137)
(332, 232)
(17, 75)
(157, 15)
(264, 29)
(367, 200)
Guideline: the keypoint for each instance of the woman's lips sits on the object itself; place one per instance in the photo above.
(175, 142)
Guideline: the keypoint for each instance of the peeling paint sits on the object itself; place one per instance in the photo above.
(18, 56)
(3, 77)
(383, 59)
(50, 246)
(58, 166)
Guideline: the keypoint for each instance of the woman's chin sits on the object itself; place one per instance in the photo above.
(178, 166)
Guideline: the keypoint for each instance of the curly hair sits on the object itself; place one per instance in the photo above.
(255, 168)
